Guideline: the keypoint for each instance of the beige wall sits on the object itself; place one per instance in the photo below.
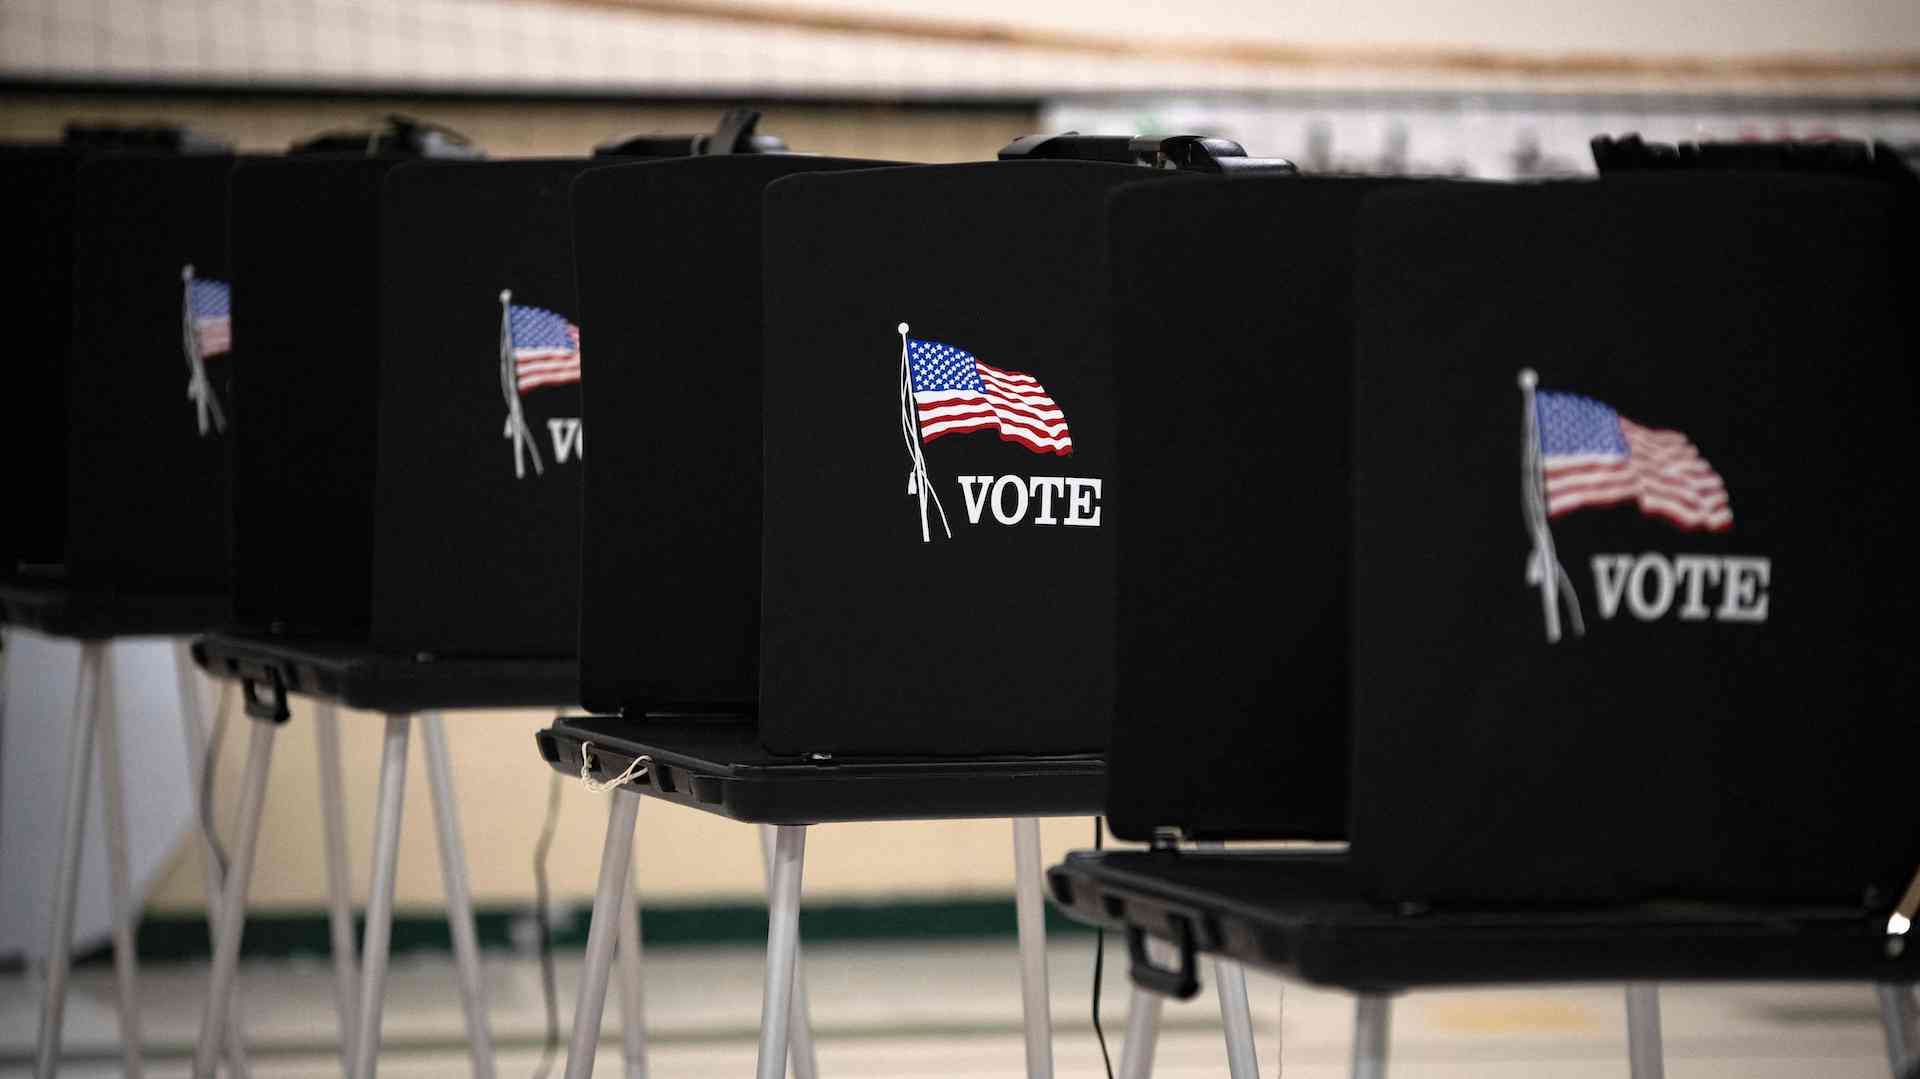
(501, 789)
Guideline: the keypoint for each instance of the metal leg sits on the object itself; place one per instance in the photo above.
(453, 871)
(1643, 1031)
(616, 881)
(233, 901)
(800, 1050)
(326, 735)
(783, 947)
(1031, 914)
(193, 728)
(633, 997)
(1371, 1015)
(66, 888)
(1900, 1015)
(1143, 1034)
(1230, 980)
(386, 856)
(121, 905)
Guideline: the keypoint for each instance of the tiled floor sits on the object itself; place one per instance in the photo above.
(921, 1009)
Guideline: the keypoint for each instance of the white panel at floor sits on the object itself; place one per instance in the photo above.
(41, 677)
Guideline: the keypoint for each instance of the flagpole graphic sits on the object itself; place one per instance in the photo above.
(199, 389)
(516, 426)
(1543, 566)
(910, 431)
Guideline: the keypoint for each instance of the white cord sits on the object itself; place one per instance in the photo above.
(636, 770)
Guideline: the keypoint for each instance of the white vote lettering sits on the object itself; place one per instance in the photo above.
(1650, 583)
(568, 439)
(1040, 500)
(976, 499)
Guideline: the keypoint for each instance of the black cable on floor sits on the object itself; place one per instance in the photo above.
(544, 922)
(1099, 961)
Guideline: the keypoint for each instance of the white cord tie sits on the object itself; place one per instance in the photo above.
(636, 770)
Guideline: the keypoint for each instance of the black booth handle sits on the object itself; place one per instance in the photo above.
(271, 709)
(1181, 983)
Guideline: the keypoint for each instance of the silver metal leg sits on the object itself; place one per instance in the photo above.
(386, 857)
(783, 946)
(1143, 1034)
(1372, 1014)
(66, 888)
(1230, 980)
(193, 728)
(603, 932)
(800, 1051)
(233, 901)
(453, 871)
(346, 977)
(633, 996)
(1643, 1031)
(1236, 1016)
(1031, 913)
(1900, 1015)
(122, 908)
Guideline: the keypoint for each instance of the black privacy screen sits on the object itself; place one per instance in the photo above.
(481, 440)
(1232, 329)
(306, 302)
(670, 280)
(939, 549)
(36, 199)
(150, 402)
(1636, 624)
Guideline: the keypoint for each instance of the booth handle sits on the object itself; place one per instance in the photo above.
(1180, 983)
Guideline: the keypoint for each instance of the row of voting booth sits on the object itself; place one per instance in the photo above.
(1536, 553)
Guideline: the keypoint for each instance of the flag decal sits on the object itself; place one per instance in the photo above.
(1578, 453)
(206, 317)
(945, 390)
(537, 348)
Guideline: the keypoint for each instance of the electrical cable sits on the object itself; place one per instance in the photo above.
(1099, 961)
(544, 921)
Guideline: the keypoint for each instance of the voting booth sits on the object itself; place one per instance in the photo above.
(124, 349)
(119, 349)
(1608, 618)
(38, 183)
(386, 551)
(918, 653)
(408, 504)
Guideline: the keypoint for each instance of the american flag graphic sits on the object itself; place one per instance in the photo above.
(1593, 456)
(546, 347)
(212, 314)
(956, 393)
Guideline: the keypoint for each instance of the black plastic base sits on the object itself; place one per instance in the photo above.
(720, 767)
(58, 609)
(1301, 914)
(358, 677)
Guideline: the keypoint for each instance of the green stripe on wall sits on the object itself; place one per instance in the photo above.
(283, 934)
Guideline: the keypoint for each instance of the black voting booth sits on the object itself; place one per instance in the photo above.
(387, 551)
(118, 320)
(410, 529)
(873, 677)
(1627, 772)
(408, 483)
(749, 634)
(118, 288)
(36, 187)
